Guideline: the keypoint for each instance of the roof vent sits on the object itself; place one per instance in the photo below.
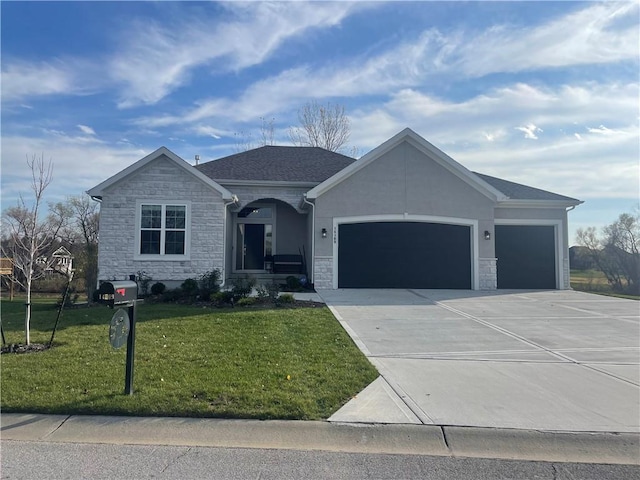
(197, 159)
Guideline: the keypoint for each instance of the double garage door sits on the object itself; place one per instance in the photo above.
(436, 255)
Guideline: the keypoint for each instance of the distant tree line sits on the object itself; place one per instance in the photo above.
(615, 251)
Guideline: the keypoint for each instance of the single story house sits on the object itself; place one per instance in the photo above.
(405, 215)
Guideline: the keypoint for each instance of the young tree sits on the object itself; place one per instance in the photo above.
(325, 126)
(617, 251)
(32, 235)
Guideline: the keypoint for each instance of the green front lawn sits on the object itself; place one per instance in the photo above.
(295, 363)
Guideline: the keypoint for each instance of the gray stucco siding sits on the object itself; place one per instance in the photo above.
(403, 181)
(163, 182)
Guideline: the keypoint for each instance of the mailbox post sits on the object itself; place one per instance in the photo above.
(122, 294)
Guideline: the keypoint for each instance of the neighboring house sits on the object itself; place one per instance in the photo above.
(405, 215)
(61, 261)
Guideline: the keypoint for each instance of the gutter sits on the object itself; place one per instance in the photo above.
(234, 200)
(313, 236)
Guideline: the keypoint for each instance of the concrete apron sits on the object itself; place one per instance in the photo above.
(540, 360)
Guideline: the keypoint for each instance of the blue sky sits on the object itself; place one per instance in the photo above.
(541, 93)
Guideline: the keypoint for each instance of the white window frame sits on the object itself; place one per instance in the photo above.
(187, 231)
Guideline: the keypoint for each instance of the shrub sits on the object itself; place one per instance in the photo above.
(173, 295)
(158, 288)
(242, 287)
(190, 288)
(293, 283)
(246, 301)
(223, 298)
(210, 283)
(286, 298)
(143, 282)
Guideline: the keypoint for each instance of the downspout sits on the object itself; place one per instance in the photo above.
(313, 236)
(234, 199)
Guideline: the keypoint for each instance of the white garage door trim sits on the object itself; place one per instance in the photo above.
(558, 235)
(406, 217)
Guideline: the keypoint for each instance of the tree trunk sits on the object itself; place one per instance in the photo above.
(27, 315)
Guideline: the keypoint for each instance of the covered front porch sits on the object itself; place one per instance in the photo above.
(268, 240)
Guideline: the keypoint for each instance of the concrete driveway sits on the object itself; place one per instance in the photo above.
(542, 360)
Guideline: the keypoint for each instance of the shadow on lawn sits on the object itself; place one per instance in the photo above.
(44, 313)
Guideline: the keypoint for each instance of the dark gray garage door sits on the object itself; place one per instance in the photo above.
(404, 255)
(526, 256)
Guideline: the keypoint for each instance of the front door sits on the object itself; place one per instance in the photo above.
(251, 236)
(254, 236)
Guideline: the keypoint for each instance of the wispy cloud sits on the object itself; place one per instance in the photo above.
(86, 129)
(432, 54)
(160, 57)
(583, 37)
(482, 132)
(23, 79)
(530, 131)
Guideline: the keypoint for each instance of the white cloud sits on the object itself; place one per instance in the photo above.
(78, 164)
(530, 131)
(23, 79)
(248, 35)
(86, 129)
(413, 64)
(597, 165)
(587, 36)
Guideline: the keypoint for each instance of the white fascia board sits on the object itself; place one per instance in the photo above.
(98, 189)
(422, 145)
(538, 203)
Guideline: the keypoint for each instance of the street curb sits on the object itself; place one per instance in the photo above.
(453, 441)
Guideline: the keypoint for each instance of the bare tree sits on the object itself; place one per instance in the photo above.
(267, 132)
(324, 126)
(244, 142)
(617, 252)
(82, 231)
(32, 235)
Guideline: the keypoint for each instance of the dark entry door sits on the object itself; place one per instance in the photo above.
(526, 256)
(404, 255)
(250, 246)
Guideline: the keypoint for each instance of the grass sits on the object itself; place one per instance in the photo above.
(594, 281)
(293, 363)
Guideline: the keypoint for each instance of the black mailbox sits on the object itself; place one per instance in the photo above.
(118, 293)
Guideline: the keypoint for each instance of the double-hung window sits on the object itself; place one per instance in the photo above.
(163, 229)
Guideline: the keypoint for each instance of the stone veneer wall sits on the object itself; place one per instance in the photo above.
(323, 273)
(160, 181)
(567, 274)
(488, 270)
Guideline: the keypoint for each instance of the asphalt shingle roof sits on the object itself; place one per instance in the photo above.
(315, 165)
(517, 191)
(277, 163)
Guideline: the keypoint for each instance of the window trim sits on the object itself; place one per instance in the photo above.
(187, 231)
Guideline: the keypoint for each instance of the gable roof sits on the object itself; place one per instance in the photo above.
(272, 163)
(98, 189)
(503, 192)
(437, 155)
(517, 191)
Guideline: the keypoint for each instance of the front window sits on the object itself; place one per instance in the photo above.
(163, 229)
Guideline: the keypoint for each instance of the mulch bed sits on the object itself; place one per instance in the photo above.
(22, 348)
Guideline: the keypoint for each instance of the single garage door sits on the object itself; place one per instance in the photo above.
(526, 256)
(404, 255)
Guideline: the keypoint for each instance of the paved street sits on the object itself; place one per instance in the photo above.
(544, 360)
(52, 461)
